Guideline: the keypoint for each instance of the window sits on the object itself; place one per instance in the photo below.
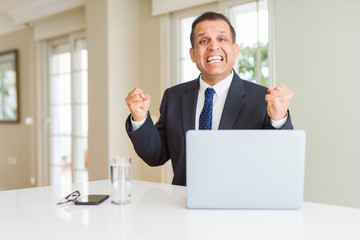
(67, 110)
(188, 69)
(250, 21)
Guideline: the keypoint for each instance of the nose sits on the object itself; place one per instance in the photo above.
(213, 46)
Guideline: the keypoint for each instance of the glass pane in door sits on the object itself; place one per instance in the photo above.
(60, 114)
(80, 111)
(80, 154)
(188, 69)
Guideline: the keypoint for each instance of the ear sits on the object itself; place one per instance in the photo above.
(236, 49)
(192, 54)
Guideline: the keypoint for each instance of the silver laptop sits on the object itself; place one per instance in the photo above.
(246, 169)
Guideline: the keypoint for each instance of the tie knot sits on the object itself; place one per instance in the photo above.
(209, 93)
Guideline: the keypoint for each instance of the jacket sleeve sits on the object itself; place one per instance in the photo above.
(149, 141)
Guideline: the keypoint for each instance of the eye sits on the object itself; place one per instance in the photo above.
(203, 41)
(222, 39)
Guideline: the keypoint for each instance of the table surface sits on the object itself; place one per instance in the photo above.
(158, 211)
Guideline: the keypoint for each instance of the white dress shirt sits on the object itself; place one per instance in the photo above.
(221, 92)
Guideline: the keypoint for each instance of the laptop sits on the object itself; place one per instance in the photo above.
(245, 169)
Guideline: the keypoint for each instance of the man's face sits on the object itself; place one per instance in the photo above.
(214, 52)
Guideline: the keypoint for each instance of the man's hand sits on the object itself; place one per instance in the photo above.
(278, 100)
(139, 103)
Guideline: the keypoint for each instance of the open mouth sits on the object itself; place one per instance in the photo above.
(214, 59)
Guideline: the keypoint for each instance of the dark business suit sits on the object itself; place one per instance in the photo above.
(245, 108)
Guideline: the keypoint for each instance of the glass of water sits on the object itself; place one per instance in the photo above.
(120, 180)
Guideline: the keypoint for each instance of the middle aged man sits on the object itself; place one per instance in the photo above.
(228, 103)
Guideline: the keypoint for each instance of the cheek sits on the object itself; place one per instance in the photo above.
(232, 54)
(199, 54)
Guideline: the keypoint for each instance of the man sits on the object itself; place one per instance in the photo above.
(231, 104)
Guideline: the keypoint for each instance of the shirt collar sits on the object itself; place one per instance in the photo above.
(220, 87)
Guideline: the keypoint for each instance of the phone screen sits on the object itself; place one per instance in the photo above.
(92, 199)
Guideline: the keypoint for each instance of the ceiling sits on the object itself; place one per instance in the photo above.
(15, 14)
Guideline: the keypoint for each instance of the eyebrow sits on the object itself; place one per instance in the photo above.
(205, 33)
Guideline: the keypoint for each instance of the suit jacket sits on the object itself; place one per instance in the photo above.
(245, 108)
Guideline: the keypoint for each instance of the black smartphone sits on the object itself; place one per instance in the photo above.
(91, 199)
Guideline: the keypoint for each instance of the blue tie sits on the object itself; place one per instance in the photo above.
(205, 120)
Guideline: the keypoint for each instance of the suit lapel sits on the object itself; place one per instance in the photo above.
(188, 106)
(233, 104)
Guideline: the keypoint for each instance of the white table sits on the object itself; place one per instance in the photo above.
(158, 211)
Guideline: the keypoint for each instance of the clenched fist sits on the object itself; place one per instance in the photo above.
(139, 103)
(278, 100)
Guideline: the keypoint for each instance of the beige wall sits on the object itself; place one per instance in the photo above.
(97, 44)
(150, 75)
(112, 28)
(318, 56)
(17, 139)
(124, 52)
